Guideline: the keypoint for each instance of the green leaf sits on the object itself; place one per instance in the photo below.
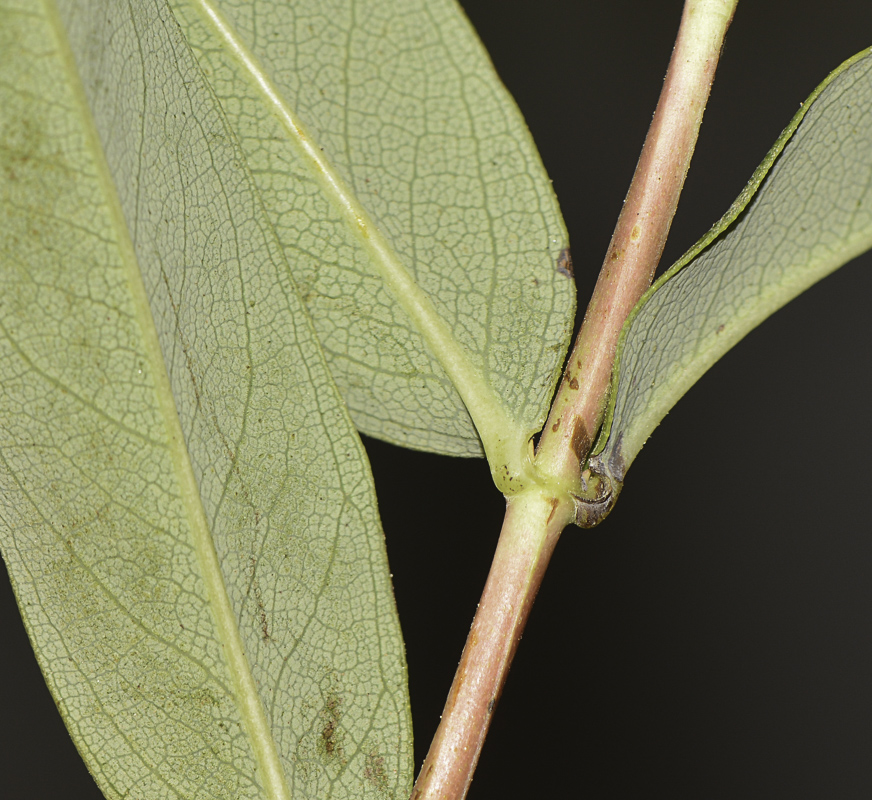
(188, 516)
(411, 204)
(806, 211)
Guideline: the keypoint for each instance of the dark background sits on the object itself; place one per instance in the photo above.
(712, 638)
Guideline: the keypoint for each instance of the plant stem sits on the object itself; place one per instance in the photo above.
(536, 517)
(533, 522)
(638, 240)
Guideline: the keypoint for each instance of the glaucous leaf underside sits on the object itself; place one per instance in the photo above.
(806, 211)
(188, 516)
(401, 103)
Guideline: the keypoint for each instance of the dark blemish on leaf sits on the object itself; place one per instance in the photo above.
(374, 770)
(327, 735)
(564, 263)
(573, 384)
(492, 704)
(331, 714)
(580, 440)
(556, 425)
(720, 329)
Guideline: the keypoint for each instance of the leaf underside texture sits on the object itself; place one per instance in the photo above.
(188, 516)
(806, 211)
(408, 129)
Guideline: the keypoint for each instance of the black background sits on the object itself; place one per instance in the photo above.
(712, 638)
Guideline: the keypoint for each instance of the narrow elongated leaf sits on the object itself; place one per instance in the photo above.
(410, 201)
(806, 212)
(188, 516)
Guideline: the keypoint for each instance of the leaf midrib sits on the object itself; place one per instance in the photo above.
(502, 437)
(251, 710)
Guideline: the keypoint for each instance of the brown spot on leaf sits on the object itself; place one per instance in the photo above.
(564, 263)
(331, 714)
(374, 770)
(328, 735)
(573, 383)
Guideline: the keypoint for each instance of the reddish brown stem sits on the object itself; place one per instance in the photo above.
(638, 240)
(536, 516)
(531, 528)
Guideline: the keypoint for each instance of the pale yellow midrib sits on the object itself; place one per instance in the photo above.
(251, 709)
(494, 424)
